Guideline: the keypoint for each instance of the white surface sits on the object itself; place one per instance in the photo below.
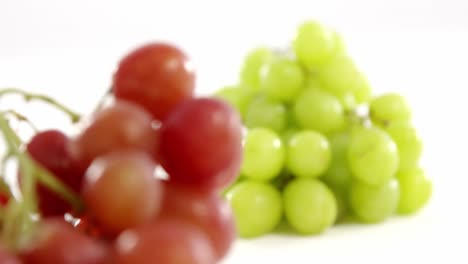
(69, 49)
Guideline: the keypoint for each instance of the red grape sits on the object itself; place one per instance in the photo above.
(57, 242)
(7, 258)
(121, 126)
(120, 191)
(168, 241)
(88, 226)
(157, 76)
(50, 149)
(129, 215)
(205, 209)
(201, 143)
(4, 199)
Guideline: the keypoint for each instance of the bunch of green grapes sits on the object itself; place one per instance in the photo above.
(311, 156)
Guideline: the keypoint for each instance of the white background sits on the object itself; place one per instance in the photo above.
(69, 49)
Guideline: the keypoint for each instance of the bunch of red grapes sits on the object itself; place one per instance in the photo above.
(130, 215)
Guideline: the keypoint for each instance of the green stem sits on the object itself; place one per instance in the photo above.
(21, 118)
(12, 225)
(47, 179)
(4, 188)
(12, 140)
(28, 183)
(102, 101)
(16, 218)
(357, 118)
(27, 163)
(18, 223)
(28, 96)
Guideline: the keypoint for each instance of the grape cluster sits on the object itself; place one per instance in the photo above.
(320, 147)
(99, 195)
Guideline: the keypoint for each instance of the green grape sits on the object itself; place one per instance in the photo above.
(341, 196)
(267, 113)
(338, 176)
(226, 189)
(312, 82)
(374, 203)
(416, 190)
(347, 99)
(308, 154)
(338, 173)
(257, 208)
(389, 107)
(314, 44)
(237, 96)
(339, 143)
(409, 143)
(291, 122)
(318, 110)
(252, 66)
(264, 154)
(282, 79)
(288, 134)
(372, 155)
(362, 91)
(342, 78)
(340, 46)
(309, 206)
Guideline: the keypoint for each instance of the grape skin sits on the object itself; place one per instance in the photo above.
(266, 113)
(408, 142)
(250, 74)
(264, 154)
(257, 207)
(342, 78)
(156, 76)
(130, 175)
(389, 107)
(50, 148)
(238, 97)
(8, 258)
(317, 110)
(338, 173)
(207, 210)
(416, 190)
(282, 79)
(308, 154)
(131, 128)
(338, 177)
(57, 242)
(374, 203)
(169, 241)
(201, 143)
(309, 205)
(372, 155)
(314, 44)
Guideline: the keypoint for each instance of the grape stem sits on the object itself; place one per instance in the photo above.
(28, 96)
(14, 218)
(43, 175)
(284, 52)
(102, 101)
(17, 218)
(4, 188)
(358, 116)
(22, 118)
